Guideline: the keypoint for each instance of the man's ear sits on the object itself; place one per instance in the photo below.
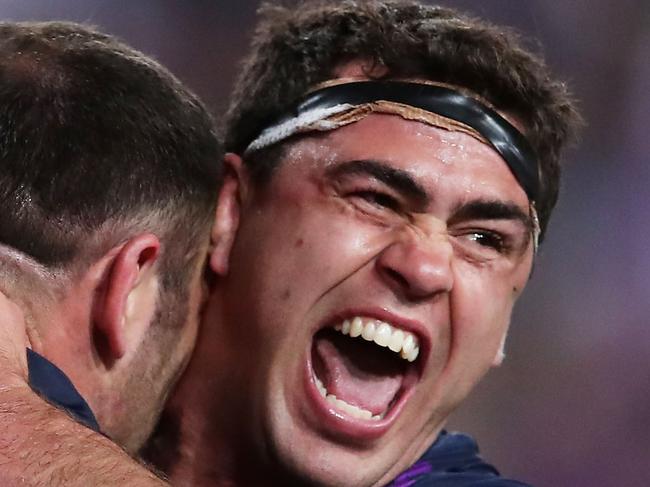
(126, 300)
(226, 218)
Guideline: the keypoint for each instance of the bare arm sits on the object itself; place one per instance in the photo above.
(41, 446)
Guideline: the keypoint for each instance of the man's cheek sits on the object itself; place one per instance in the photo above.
(334, 243)
(480, 315)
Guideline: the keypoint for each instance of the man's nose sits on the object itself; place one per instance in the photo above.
(417, 268)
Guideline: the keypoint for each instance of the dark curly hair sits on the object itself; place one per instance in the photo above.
(296, 48)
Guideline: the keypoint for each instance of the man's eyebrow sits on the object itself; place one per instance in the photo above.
(490, 210)
(397, 179)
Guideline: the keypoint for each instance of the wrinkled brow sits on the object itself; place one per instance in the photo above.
(398, 179)
(491, 210)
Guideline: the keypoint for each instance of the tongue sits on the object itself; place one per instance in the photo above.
(358, 372)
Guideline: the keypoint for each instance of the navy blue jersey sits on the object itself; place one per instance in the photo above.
(54, 386)
(452, 461)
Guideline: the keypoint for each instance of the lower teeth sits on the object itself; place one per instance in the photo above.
(348, 408)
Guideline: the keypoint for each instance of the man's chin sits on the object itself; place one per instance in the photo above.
(328, 464)
(311, 454)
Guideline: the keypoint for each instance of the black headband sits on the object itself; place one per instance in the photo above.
(511, 144)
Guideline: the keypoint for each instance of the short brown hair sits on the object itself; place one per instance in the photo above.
(99, 142)
(294, 49)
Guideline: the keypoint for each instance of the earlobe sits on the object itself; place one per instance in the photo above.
(128, 278)
(226, 220)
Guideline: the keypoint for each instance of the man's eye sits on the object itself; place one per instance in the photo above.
(488, 239)
(377, 198)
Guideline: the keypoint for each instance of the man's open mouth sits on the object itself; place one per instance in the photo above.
(363, 366)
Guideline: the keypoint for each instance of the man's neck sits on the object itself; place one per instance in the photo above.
(195, 449)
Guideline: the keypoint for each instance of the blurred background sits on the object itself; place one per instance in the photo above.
(571, 405)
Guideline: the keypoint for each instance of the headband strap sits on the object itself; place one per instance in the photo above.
(509, 143)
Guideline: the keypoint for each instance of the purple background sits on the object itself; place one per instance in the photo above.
(571, 405)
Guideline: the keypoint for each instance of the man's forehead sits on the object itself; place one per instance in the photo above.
(395, 135)
(424, 151)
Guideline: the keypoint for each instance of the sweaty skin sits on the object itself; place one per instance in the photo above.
(441, 248)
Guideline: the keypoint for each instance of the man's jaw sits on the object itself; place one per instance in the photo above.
(362, 369)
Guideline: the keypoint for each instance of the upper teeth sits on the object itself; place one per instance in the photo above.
(383, 334)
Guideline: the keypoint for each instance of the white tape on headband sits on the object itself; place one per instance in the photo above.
(537, 229)
(314, 119)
